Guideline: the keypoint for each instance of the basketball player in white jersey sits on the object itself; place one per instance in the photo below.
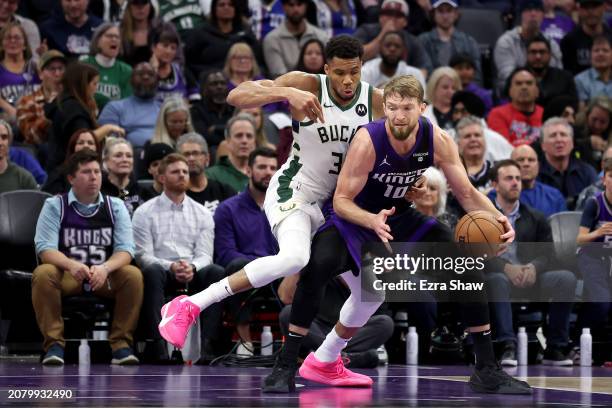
(326, 112)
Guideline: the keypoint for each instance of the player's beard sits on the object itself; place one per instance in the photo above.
(401, 134)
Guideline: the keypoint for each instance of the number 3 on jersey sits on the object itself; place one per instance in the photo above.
(338, 159)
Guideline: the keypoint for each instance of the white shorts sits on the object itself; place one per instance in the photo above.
(280, 202)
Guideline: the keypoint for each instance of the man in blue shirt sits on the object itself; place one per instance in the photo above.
(242, 231)
(84, 240)
(136, 114)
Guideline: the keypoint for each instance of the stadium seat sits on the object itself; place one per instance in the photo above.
(564, 226)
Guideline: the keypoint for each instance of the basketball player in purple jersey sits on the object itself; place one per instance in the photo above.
(383, 163)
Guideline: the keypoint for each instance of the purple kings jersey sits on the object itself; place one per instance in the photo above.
(86, 238)
(13, 86)
(393, 174)
(604, 215)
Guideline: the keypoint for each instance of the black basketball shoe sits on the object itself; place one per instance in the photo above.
(282, 378)
(494, 380)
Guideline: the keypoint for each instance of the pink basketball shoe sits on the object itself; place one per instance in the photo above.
(334, 373)
(177, 319)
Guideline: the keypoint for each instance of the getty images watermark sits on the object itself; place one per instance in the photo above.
(418, 272)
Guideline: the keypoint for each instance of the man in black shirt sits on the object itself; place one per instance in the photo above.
(205, 191)
(553, 81)
(576, 46)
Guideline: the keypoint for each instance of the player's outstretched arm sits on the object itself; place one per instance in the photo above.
(377, 104)
(297, 88)
(447, 159)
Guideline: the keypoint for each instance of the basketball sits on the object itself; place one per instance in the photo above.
(479, 227)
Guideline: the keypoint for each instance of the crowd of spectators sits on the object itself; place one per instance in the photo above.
(141, 85)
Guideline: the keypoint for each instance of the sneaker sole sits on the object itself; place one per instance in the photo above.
(278, 389)
(558, 363)
(478, 388)
(53, 361)
(509, 363)
(312, 375)
(131, 360)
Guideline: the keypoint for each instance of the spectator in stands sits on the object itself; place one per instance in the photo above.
(361, 350)
(136, 24)
(510, 50)
(552, 81)
(107, 10)
(118, 179)
(282, 45)
(520, 119)
(560, 168)
(265, 16)
(207, 45)
(594, 129)
(441, 86)
(115, 74)
(242, 231)
(593, 260)
(472, 146)
(596, 80)
(465, 104)
(378, 71)
(393, 17)
(527, 269)
(576, 45)
(335, 17)
(466, 69)
(8, 14)
(434, 204)
(18, 74)
(233, 168)
(186, 15)
(136, 113)
(12, 177)
(203, 190)
(70, 31)
(445, 40)
(556, 24)
(23, 157)
(563, 106)
(31, 120)
(74, 261)
(312, 57)
(596, 187)
(173, 79)
(74, 109)
(153, 155)
(174, 247)
(537, 195)
(261, 140)
(57, 183)
(211, 113)
(173, 121)
(241, 65)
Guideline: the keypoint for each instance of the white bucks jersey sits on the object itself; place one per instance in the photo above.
(319, 149)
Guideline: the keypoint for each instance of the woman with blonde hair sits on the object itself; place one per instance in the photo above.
(173, 121)
(433, 202)
(118, 179)
(240, 65)
(18, 74)
(442, 84)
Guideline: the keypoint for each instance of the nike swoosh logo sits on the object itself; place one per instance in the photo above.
(165, 320)
(328, 106)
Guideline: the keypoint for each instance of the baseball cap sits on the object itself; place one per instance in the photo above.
(531, 5)
(438, 3)
(156, 151)
(49, 56)
(395, 5)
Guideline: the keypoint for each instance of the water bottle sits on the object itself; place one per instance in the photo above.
(586, 348)
(100, 331)
(266, 341)
(412, 346)
(84, 353)
(522, 346)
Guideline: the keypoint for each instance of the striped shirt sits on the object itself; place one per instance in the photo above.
(165, 232)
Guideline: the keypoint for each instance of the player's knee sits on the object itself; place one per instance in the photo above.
(295, 261)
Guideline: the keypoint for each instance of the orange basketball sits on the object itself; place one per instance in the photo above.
(479, 227)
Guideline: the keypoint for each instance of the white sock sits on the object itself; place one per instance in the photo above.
(212, 294)
(331, 347)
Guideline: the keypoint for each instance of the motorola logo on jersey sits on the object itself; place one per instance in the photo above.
(335, 133)
(361, 109)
